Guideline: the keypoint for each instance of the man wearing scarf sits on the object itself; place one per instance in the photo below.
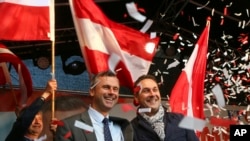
(153, 122)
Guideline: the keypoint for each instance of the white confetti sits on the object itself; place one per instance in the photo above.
(219, 95)
(192, 123)
(133, 12)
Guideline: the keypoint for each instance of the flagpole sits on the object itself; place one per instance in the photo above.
(208, 21)
(52, 38)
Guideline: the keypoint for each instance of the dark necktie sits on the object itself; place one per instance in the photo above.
(107, 134)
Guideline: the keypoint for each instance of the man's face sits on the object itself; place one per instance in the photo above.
(36, 126)
(105, 94)
(149, 95)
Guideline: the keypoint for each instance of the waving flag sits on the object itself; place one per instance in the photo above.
(24, 75)
(24, 20)
(187, 95)
(4, 74)
(109, 45)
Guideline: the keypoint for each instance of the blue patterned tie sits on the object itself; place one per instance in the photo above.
(107, 134)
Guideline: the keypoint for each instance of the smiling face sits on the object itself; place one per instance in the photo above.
(149, 95)
(36, 127)
(105, 94)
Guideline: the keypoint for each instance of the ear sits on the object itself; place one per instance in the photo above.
(136, 101)
(91, 92)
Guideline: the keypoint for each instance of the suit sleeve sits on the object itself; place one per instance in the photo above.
(63, 133)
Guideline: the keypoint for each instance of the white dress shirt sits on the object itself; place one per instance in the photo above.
(97, 119)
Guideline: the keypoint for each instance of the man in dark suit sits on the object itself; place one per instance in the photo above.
(29, 125)
(153, 122)
(88, 126)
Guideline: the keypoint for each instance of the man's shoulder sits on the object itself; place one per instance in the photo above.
(75, 117)
(119, 119)
(174, 116)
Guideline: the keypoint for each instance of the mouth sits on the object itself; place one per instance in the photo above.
(152, 100)
(109, 99)
(36, 126)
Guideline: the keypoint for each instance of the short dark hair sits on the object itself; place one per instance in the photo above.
(145, 76)
(95, 80)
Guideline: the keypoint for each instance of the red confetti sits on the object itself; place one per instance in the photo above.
(137, 89)
(67, 135)
(243, 38)
(175, 37)
(217, 79)
(140, 9)
(58, 122)
(222, 21)
(225, 11)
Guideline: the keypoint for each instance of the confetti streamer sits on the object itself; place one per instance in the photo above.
(144, 110)
(199, 8)
(146, 26)
(83, 126)
(133, 12)
(194, 23)
(219, 95)
(174, 64)
(192, 123)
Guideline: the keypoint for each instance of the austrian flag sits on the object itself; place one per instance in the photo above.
(6, 56)
(24, 20)
(107, 45)
(187, 95)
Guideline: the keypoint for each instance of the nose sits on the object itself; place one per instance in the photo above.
(36, 120)
(113, 90)
(152, 93)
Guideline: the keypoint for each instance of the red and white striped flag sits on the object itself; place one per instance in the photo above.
(109, 45)
(24, 20)
(24, 75)
(187, 95)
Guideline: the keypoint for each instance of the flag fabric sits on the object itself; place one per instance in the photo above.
(4, 74)
(107, 45)
(187, 95)
(24, 20)
(24, 75)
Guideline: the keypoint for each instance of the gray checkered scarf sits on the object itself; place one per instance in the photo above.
(156, 122)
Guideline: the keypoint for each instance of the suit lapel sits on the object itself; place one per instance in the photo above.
(90, 136)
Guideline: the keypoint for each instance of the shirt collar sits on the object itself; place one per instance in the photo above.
(95, 115)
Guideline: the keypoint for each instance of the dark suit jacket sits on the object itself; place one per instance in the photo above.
(69, 132)
(24, 120)
(143, 131)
